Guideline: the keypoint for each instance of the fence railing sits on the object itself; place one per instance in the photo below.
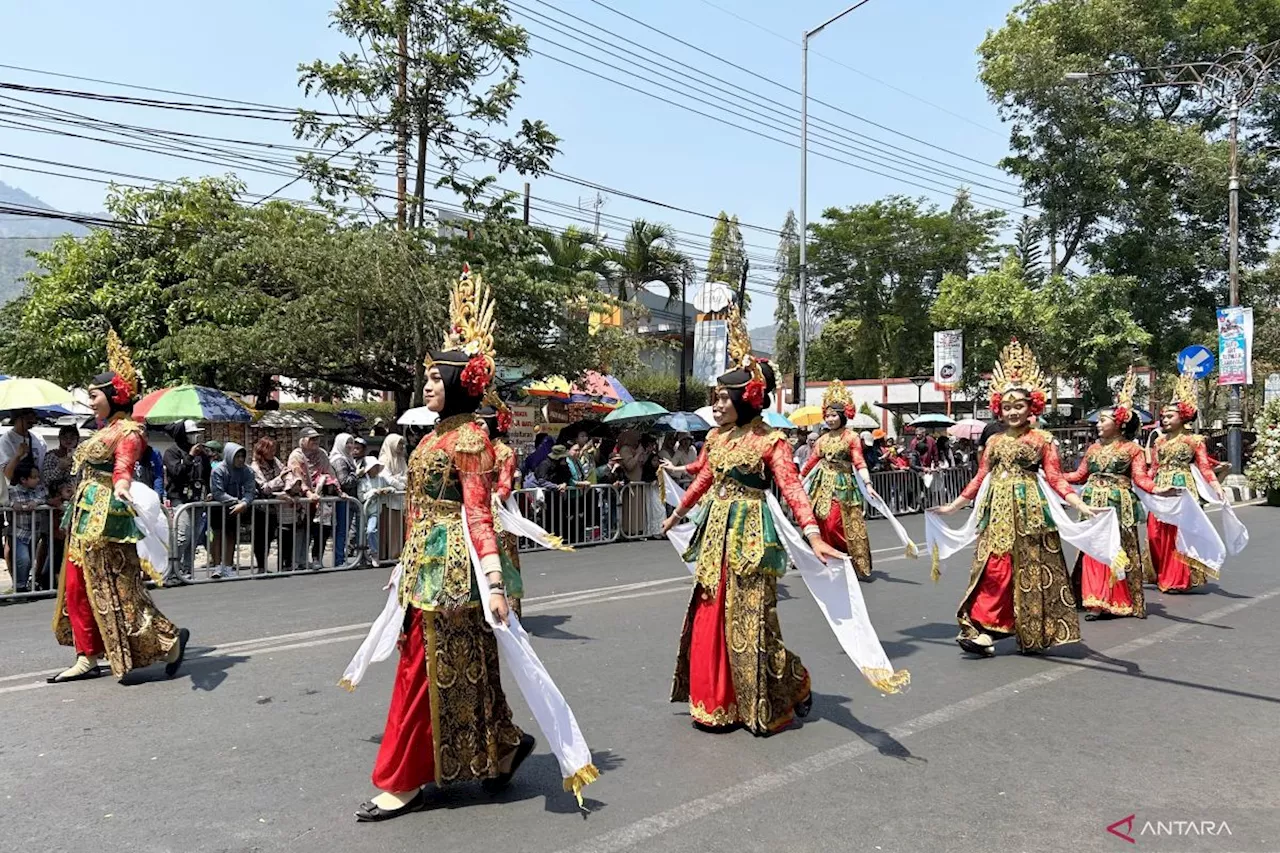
(210, 542)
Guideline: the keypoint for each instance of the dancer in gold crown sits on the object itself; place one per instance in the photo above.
(732, 667)
(836, 497)
(1018, 585)
(1175, 452)
(103, 606)
(1111, 469)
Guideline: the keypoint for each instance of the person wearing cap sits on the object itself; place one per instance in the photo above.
(307, 469)
(373, 489)
(186, 469)
(18, 444)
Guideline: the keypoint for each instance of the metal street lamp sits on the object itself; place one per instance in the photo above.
(804, 193)
(1231, 82)
(920, 382)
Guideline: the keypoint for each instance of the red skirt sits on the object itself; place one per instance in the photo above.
(406, 758)
(1174, 573)
(84, 627)
(992, 604)
(712, 699)
(1099, 593)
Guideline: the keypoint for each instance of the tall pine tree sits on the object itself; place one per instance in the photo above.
(786, 343)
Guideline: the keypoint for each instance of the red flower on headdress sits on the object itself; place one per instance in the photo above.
(122, 392)
(996, 399)
(1038, 401)
(753, 394)
(1121, 415)
(1186, 412)
(475, 376)
(504, 420)
(848, 411)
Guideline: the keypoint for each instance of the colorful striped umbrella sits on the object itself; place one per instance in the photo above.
(191, 402)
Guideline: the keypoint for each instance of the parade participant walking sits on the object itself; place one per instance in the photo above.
(1018, 585)
(732, 667)
(103, 607)
(841, 483)
(1109, 471)
(1176, 452)
(449, 720)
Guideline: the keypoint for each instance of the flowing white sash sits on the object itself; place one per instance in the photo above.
(382, 637)
(877, 502)
(153, 547)
(513, 521)
(1236, 534)
(1099, 537)
(552, 712)
(672, 493)
(837, 592)
(1196, 537)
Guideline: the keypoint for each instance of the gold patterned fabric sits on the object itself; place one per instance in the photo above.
(471, 724)
(856, 540)
(768, 679)
(1174, 458)
(1138, 557)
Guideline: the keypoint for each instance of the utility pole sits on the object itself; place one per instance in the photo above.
(1235, 418)
(804, 197)
(526, 203)
(402, 119)
(684, 330)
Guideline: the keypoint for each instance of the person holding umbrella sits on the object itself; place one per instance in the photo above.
(103, 607)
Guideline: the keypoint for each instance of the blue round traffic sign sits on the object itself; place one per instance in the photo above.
(1196, 360)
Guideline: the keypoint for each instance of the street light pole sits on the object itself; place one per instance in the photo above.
(1235, 417)
(804, 196)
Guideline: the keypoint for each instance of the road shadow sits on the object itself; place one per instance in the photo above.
(1131, 669)
(202, 667)
(830, 707)
(880, 575)
(1155, 608)
(930, 633)
(546, 626)
(1214, 589)
(539, 776)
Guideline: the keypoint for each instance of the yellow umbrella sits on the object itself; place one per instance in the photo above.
(23, 393)
(806, 416)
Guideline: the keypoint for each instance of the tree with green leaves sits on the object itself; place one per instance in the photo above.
(1131, 175)
(428, 81)
(786, 342)
(648, 255)
(877, 267)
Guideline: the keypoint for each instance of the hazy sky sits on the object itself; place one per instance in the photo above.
(917, 51)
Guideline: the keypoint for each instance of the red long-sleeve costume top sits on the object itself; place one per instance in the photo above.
(1108, 473)
(843, 446)
(1174, 457)
(1032, 448)
(505, 459)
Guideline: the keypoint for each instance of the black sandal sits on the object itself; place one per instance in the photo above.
(369, 812)
(96, 672)
(171, 668)
(976, 648)
(499, 783)
(804, 706)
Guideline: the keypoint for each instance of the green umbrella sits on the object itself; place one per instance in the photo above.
(634, 412)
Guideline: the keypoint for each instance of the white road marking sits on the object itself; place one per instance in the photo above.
(802, 772)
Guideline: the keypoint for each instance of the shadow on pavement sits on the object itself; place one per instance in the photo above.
(828, 707)
(1155, 608)
(205, 671)
(931, 633)
(1133, 670)
(546, 626)
(878, 575)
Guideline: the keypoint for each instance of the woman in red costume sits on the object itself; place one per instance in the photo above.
(449, 719)
(836, 498)
(1111, 468)
(1018, 585)
(733, 668)
(103, 606)
(1175, 452)
(495, 416)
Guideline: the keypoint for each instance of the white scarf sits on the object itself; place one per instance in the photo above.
(877, 503)
(1196, 537)
(153, 547)
(836, 590)
(1099, 537)
(1237, 535)
(513, 521)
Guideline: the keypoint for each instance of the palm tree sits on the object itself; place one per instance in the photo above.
(647, 255)
(572, 255)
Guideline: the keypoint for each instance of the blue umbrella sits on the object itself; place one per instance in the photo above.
(682, 422)
(777, 420)
(1147, 417)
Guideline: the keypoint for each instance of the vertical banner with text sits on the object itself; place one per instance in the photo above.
(1235, 345)
(948, 355)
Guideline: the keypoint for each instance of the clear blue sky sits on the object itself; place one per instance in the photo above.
(250, 50)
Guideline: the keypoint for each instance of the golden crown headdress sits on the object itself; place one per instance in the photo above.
(740, 347)
(471, 328)
(1184, 392)
(124, 386)
(1017, 370)
(1123, 407)
(837, 397)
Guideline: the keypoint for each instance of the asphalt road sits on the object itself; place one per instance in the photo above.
(254, 748)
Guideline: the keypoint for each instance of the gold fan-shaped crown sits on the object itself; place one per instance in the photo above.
(1184, 391)
(740, 344)
(120, 363)
(491, 398)
(836, 397)
(1017, 369)
(471, 323)
(1124, 397)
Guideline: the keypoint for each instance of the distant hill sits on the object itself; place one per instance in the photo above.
(22, 234)
(762, 339)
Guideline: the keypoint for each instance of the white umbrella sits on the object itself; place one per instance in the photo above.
(706, 414)
(421, 416)
(22, 393)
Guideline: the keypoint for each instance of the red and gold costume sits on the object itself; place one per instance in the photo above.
(508, 543)
(733, 667)
(835, 496)
(1174, 456)
(103, 606)
(1109, 472)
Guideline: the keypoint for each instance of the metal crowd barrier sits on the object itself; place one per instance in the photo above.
(33, 543)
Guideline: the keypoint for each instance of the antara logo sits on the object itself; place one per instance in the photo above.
(1124, 828)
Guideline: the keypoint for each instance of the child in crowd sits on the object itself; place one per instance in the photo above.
(25, 494)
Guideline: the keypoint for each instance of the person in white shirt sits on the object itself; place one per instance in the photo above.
(17, 444)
